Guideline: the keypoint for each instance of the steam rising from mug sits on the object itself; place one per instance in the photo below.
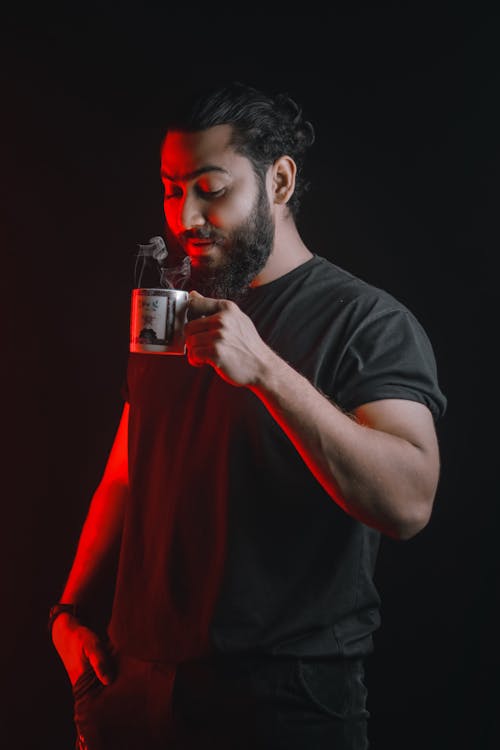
(154, 253)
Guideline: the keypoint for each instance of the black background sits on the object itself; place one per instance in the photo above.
(404, 176)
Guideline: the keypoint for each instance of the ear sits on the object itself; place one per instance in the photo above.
(284, 171)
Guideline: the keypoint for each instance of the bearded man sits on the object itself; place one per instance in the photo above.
(249, 482)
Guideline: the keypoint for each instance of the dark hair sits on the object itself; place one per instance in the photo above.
(265, 127)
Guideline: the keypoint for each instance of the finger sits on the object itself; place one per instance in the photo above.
(199, 305)
(210, 342)
(204, 339)
(201, 356)
(200, 325)
(102, 665)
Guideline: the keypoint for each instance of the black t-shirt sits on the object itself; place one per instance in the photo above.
(230, 544)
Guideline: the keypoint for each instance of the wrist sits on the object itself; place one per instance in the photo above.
(270, 366)
(64, 623)
(62, 611)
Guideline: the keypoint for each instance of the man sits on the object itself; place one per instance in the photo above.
(249, 482)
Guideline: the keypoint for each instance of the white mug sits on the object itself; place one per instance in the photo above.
(157, 321)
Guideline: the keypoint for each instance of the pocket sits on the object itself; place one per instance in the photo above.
(87, 682)
(334, 686)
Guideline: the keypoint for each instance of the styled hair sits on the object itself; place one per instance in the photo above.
(265, 127)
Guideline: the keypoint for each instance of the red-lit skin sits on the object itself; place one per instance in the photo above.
(78, 646)
(380, 464)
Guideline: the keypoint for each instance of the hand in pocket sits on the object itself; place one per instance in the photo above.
(80, 649)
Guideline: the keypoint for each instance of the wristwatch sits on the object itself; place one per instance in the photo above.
(58, 609)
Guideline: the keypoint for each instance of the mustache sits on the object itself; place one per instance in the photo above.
(201, 234)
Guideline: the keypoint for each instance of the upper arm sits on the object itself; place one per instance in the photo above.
(116, 469)
(409, 420)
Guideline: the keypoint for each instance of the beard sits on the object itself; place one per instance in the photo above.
(246, 251)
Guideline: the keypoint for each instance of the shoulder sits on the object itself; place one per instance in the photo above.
(359, 299)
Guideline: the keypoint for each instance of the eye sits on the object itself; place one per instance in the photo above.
(172, 191)
(205, 192)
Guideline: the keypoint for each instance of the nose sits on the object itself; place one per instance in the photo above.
(191, 214)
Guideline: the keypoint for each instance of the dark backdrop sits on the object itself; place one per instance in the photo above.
(404, 175)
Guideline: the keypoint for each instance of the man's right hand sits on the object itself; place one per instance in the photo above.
(79, 647)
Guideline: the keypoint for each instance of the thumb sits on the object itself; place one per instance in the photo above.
(200, 306)
(101, 663)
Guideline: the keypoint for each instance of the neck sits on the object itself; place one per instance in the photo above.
(289, 251)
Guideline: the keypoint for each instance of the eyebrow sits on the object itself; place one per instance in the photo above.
(194, 173)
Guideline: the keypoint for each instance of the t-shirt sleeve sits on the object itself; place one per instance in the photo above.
(389, 356)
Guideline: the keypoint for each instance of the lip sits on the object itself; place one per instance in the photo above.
(200, 247)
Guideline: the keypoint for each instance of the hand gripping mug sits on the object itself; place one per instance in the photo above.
(157, 321)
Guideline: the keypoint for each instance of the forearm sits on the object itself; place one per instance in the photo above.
(376, 477)
(98, 540)
(381, 468)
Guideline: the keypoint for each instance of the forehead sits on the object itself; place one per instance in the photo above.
(185, 153)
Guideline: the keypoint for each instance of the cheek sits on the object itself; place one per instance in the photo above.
(170, 213)
(230, 212)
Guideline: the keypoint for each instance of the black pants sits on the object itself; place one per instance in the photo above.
(230, 704)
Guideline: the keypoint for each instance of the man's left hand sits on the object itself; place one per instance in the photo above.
(221, 335)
